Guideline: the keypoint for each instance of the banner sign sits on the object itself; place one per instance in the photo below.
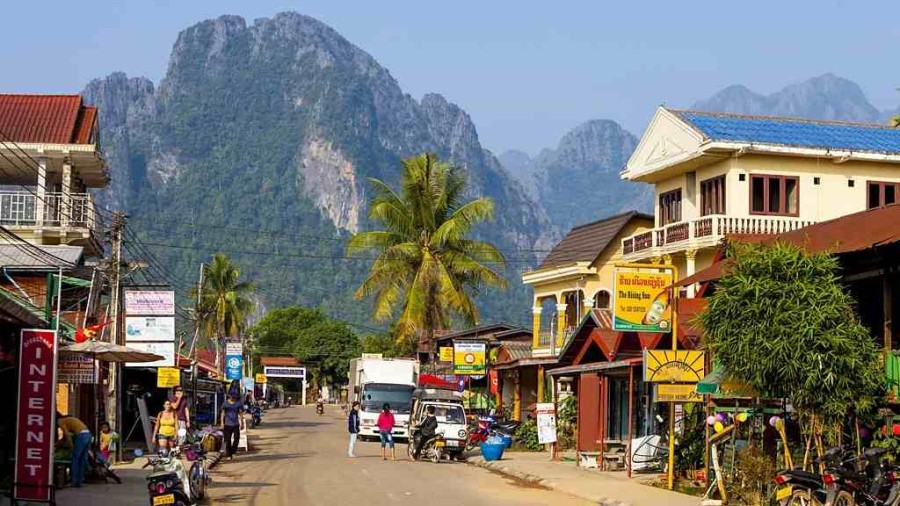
(261, 378)
(446, 354)
(234, 348)
(168, 377)
(165, 350)
(641, 301)
(677, 393)
(36, 415)
(234, 367)
(469, 358)
(149, 328)
(150, 303)
(248, 383)
(285, 372)
(546, 422)
(75, 368)
(670, 366)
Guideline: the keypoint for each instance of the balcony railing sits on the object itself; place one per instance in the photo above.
(22, 209)
(705, 231)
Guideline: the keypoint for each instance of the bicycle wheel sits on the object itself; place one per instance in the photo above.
(802, 498)
(844, 498)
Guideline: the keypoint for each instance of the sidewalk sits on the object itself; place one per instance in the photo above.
(611, 489)
(131, 492)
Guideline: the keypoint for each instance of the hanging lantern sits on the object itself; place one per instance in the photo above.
(719, 427)
(710, 420)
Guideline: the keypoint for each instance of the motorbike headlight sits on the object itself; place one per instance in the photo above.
(462, 434)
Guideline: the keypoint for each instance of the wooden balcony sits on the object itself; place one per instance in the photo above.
(702, 232)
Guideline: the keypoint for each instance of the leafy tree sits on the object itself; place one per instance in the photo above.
(279, 329)
(224, 300)
(326, 348)
(427, 267)
(782, 323)
(388, 346)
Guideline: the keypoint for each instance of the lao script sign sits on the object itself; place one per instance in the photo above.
(641, 301)
(36, 432)
(149, 303)
(671, 366)
(75, 368)
(546, 422)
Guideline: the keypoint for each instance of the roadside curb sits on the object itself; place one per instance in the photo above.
(498, 467)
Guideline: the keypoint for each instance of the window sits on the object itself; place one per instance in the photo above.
(882, 194)
(601, 300)
(670, 207)
(712, 196)
(774, 195)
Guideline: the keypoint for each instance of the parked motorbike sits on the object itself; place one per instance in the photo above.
(797, 487)
(167, 483)
(320, 408)
(871, 482)
(255, 415)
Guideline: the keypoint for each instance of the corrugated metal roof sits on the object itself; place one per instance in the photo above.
(14, 256)
(584, 243)
(53, 119)
(794, 132)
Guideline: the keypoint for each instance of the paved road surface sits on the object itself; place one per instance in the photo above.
(300, 458)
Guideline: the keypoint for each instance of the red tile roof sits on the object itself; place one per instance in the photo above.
(278, 361)
(52, 119)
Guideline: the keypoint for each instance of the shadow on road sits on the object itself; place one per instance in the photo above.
(291, 424)
(265, 457)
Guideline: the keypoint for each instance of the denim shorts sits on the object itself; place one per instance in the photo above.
(386, 439)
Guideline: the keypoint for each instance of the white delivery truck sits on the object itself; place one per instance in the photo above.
(375, 381)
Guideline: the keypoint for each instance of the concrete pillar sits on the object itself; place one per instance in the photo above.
(66, 208)
(517, 396)
(690, 257)
(560, 324)
(536, 326)
(41, 192)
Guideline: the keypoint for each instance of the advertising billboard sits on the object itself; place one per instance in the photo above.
(469, 358)
(149, 328)
(165, 350)
(149, 303)
(641, 301)
(75, 368)
(285, 372)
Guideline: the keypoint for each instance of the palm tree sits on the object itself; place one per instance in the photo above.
(427, 266)
(224, 301)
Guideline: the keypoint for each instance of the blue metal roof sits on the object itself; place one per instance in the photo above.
(794, 132)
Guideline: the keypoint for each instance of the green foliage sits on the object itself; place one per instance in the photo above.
(753, 476)
(782, 323)
(388, 346)
(526, 437)
(427, 267)
(885, 438)
(691, 445)
(567, 421)
(324, 345)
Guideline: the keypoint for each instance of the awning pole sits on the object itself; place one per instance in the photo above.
(630, 417)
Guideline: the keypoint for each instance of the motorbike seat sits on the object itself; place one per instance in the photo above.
(874, 452)
(805, 475)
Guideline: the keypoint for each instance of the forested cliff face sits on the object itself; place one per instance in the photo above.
(259, 142)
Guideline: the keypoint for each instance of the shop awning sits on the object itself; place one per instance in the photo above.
(718, 384)
(595, 367)
(710, 384)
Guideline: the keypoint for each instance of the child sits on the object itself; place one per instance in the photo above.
(105, 436)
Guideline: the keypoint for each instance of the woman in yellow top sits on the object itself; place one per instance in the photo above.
(166, 423)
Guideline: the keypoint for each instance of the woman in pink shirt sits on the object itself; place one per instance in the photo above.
(385, 426)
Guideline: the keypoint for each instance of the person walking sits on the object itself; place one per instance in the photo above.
(181, 405)
(232, 422)
(166, 426)
(385, 426)
(81, 440)
(353, 428)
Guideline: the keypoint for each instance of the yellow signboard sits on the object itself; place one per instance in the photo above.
(469, 358)
(168, 377)
(641, 301)
(671, 366)
(260, 378)
(446, 354)
(677, 393)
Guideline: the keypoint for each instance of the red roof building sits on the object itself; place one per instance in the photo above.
(47, 119)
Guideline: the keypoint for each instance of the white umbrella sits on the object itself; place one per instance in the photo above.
(109, 352)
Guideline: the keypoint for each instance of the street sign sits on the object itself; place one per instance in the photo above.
(683, 392)
(469, 358)
(261, 378)
(671, 366)
(285, 372)
(247, 383)
(75, 368)
(150, 303)
(36, 416)
(149, 328)
(641, 302)
(168, 377)
(546, 422)
(165, 350)
(235, 347)
(446, 354)
(234, 367)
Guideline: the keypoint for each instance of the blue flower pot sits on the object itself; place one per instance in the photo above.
(492, 452)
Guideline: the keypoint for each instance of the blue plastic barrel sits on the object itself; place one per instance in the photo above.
(492, 452)
(507, 441)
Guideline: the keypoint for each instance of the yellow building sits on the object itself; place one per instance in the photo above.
(577, 276)
(720, 174)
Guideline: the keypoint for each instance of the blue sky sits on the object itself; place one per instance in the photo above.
(526, 71)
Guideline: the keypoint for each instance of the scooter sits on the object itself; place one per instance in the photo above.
(255, 415)
(320, 408)
(432, 448)
(169, 482)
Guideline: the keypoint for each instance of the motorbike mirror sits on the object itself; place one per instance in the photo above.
(138, 452)
(182, 432)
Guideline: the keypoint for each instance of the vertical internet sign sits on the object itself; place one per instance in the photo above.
(35, 433)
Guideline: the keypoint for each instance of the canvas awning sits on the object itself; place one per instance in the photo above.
(595, 367)
(718, 384)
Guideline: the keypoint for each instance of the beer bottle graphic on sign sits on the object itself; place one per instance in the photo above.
(654, 315)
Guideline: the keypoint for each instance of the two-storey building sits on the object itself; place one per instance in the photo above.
(722, 174)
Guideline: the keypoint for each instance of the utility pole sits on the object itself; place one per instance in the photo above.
(114, 385)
